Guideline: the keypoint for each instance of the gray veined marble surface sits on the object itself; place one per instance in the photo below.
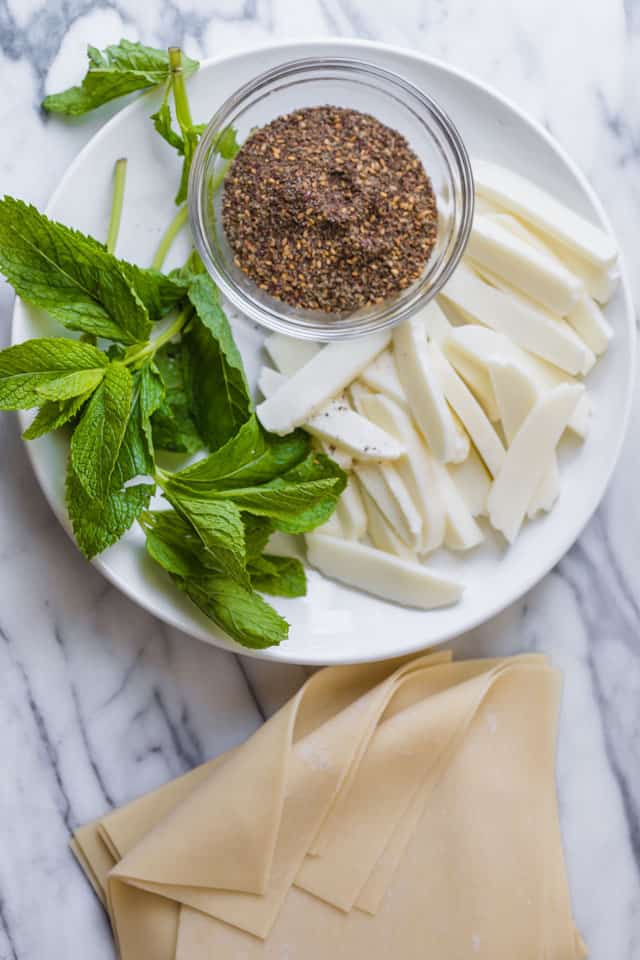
(100, 702)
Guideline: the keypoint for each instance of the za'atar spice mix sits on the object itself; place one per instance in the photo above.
(329, 209)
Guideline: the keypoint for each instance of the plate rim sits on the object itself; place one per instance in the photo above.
(283, 654)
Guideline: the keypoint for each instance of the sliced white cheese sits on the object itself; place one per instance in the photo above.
(343, 459)
(517, 395)
(331, 527)
(525, 324)
(473, 481)
(477, 424)
(351, 512)
(290, 353)
(600, 282)
(463, 444)
(558, 339)
(462, 532)
(547, 491)
(537, 274)
(528, 458)
(416, 468)
(539, 208)
(357, 393)
(388, 492)
(336, 423)
(423, 391)
(474, 375)
(382, 376)
(382, 534)
(377, 572)
(314, 384)
(589, 322)
(485, 344)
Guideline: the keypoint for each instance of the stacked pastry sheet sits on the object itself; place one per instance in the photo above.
(404, 808)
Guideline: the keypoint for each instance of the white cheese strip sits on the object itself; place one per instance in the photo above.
(474, 375)
(461, 532)
(422, 388)
(517, 395)
(524, 323)
(463, 444)
(473, 481)
(331, 527)
(351, 512)
(416, 468)
(482, 434)
(382, 376)
(358, 393)
(529, 457)
(374, 571)
(382, 534)
(540, 276)
(344, 460)
(547, 491)
(336, 423)
(382, 486)
(589, 322)
(484, 345)
(539, 208)
(314, 384)
(290, 353)
(558, 343)
(600, 282)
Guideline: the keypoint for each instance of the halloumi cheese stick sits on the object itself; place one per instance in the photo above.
(388, 492)
(589, 322)
(374, 571)
(331, 527)
(343, 459)
(382, 534)
(540, 276)
(351, 512)
(473, 481)
(338, 424)
(290, 353)
(461, 532)
(416, 468)
(529, 457)
(482, 434)
(382, 376)
(539, 208)
(517, 395)
(422, 388)
(325, 375)
(524, 323)
(484, 344)
(600, 282)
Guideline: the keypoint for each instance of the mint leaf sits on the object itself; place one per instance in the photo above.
(135, 457)
(123, 68)
(251, 457)
(27, 368)
(71, 384)
(69, 275)
(53, 415)
(315, 467)
(257, 531)
(97, 524)
(279, 576)
(219, 526)
(158, 293)
(241, 613)
(162, 121)
(173, 425)
(173, 543)
(227, 144)
(97, 439)
(220, 397)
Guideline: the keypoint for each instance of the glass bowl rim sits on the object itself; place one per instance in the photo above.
(394, 310)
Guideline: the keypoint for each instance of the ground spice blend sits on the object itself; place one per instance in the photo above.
(329, 209)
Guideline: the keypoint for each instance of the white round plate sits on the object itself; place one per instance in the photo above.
(334, 624)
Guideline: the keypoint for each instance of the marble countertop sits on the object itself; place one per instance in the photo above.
(98, 700)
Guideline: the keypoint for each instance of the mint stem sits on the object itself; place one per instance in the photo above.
(138, 356)
(169, 236)
(119, 178)
(183, 110)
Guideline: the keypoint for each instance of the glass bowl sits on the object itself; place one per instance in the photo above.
(357, 85)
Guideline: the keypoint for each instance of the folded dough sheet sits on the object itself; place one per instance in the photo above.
(404, 808)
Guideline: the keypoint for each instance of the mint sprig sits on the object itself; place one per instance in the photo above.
(156, 368)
